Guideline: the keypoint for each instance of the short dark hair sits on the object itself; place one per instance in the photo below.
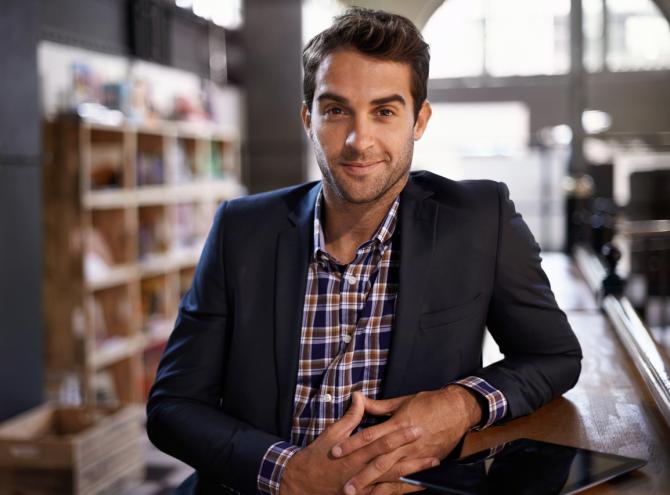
(375, 33)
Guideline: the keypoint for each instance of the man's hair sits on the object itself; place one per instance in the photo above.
(374, 33)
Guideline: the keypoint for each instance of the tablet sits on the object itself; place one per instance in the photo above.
(524, 466)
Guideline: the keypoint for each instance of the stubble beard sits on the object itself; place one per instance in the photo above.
(381, 185)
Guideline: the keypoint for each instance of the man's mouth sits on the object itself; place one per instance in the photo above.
(361, 164)
(360, 168)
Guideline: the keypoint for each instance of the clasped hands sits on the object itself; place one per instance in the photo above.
(422, 429)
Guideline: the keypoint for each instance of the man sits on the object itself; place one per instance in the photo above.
(318, 310)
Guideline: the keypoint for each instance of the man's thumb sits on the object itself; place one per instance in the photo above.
(354, 415)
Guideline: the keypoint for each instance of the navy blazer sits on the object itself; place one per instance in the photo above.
(225, 384)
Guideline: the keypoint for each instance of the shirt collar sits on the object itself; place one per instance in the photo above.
(382, 236)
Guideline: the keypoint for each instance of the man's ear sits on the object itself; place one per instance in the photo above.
(422, 120)
(306, 117)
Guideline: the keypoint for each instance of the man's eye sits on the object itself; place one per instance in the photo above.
(385, 112)
(334, 111)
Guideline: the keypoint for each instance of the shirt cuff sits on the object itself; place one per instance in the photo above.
(273, 465)
(494, 398)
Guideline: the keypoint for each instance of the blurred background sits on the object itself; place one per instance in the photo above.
(124, 123)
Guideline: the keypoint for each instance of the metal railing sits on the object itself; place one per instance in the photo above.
(634, 335)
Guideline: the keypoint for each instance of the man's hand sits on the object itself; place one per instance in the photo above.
(313, 470)
(443, 416)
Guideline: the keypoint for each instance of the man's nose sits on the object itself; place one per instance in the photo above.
(360, 137)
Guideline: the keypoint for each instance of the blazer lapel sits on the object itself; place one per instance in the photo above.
(293, 252)
(417, 222)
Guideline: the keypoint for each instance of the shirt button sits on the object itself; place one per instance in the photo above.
(351, 280)
(327, 398)
(346, 338)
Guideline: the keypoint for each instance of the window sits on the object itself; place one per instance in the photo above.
(639, 36)
(514, 37)
(592, 27)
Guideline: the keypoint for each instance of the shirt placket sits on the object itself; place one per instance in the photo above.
(326, 396)
(363, 346)
(353, 333)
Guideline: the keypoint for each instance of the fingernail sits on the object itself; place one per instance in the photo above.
(435, 462)
(336, 451)
(349, 490)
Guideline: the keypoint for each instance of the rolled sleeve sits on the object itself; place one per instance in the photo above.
(491, 397)
(273, 465)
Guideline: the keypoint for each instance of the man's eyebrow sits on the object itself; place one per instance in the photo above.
(377, 101)
(388, 99)
(332, 96)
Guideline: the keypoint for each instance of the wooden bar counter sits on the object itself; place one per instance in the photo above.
(610, 408)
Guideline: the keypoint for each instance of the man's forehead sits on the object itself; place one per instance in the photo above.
(349, 73)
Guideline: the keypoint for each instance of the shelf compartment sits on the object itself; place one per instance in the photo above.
(187, 233)
(110, 237)
(149, 160)
(159, 302)
(154, 232)
(120, 380)
(187, 159)
(112, 312)
(224, 159)
(105, 152)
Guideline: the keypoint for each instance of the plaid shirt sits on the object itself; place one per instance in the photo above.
(346, 337)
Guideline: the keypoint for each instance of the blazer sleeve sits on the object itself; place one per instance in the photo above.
(184, 417)
(542, 354)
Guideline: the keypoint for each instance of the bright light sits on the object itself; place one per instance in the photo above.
(455, 33)
(596, 121)
(225, 13)
(204, 8)
(317, 15)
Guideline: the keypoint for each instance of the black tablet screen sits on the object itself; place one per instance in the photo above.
(522, 467)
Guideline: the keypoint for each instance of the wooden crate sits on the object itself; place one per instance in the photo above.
(72, 450)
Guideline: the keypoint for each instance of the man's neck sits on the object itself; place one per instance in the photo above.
(348, 225)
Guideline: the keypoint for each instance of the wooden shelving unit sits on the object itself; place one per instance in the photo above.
(126, 213)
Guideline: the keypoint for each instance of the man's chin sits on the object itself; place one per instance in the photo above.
(358, 195)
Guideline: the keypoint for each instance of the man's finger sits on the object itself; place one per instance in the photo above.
(383, 407)
(352, 418)
(396, 488)
(376, 468)
(406, 467)
(367, 436)
(387, 467)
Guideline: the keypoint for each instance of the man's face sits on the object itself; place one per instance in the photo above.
(362, 125)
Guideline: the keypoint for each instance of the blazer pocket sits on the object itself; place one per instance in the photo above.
(449, 315)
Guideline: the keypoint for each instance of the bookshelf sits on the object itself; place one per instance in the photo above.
(126, 213)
